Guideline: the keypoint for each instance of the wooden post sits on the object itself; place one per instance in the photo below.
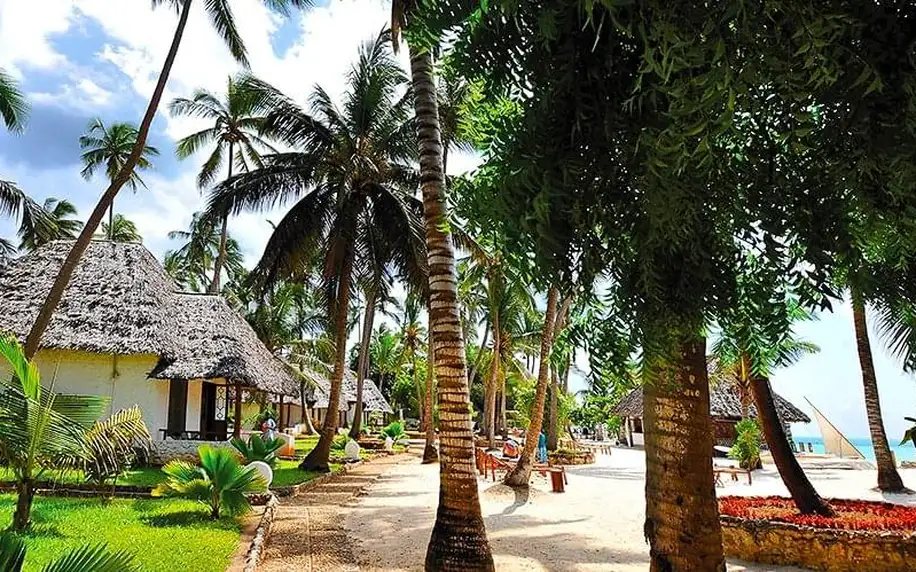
(280, 419)
(237, 430)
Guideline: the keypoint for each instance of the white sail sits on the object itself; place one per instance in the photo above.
(835, 443)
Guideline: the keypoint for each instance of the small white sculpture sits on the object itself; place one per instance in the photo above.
(389, 444)
(351, 450)
(264, 469)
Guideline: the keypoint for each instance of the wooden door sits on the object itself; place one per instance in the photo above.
(178, 408)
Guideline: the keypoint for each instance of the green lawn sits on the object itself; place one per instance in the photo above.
(164, 534)
(288, 473)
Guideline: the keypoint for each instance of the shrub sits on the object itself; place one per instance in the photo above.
(257, 449)
(850, 514)
(219, 481)
(395, 430)
(111, 445)
(339, 443)
(746, 449)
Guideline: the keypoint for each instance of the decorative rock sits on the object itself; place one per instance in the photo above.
(351, 449)
(389, 444)
(264, 469)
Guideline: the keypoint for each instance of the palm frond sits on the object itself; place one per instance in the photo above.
(13, 107)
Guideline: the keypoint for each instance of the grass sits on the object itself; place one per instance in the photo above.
(163, 534)
(288, 473)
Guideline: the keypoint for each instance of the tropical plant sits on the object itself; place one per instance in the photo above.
(258, 449)
(220, 15)
(121, 229)
(13, 107)
(192, 263)
(219, 482)
(88, 558)
(909, 436)
(110, 148)
(746, 449)
(236, 131)
(395, 430)
(59, 212)
(350, 171)
(112, 445)
(42, 431)
(387, 354)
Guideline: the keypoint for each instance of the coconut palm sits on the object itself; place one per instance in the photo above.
(234, 133)
(223, 21)
(121, 229)
(13, 107)
(191, 264)
(88, 558)
(219, 481)
(349, 171)
(109, 148)
(60, 213)
(42, 431)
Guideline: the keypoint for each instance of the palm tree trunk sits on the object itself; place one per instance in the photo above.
(682, 517)
(522, 471)
(553, 430)
(22, 518)
(806, 498)
(111, 220)
(223, 237)
(490, 406)
(317, 459)
(85, 237)
(479, 358)
(459, 538)
(430, 454)
(503, 429)
(362, 363)
(888, 478)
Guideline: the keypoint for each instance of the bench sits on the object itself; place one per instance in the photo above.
(733, 471)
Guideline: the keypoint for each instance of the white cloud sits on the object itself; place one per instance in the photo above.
(25, 30)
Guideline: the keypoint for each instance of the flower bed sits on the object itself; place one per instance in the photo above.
(864, 535)
(570, 457)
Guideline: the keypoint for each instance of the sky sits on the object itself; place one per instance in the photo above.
(80, 59)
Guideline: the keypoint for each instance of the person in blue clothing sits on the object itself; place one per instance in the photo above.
(542, 447)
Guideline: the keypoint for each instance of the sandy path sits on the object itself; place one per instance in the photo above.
(595, 526)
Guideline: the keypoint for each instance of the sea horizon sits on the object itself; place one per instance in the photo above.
(863, 444)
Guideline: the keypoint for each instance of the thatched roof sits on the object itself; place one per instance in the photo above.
(724, 403)
(121, 301)
(218, 342)
(373, 400)
(118, 301)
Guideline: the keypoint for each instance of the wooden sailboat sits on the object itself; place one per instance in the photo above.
(835, 443)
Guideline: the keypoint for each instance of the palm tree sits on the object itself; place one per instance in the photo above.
(519, 476)
(459, 537)
(87, 558)
(13, 107)
(222, 19)
(41, 430)
(109, 147)
(349, 169)
(59, 212)
(121, 229)
(236, 121)
(191, 264)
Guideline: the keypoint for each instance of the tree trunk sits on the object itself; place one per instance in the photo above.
(223, 237)
(22, 518)
(362, 363)
(483, 345)
(503, 421)
(888, 478)
(304, 414)
(459, 538)
(111, 221)
(806, 498)
(317, 459)
(522, 471)
(82, 242)
(553, 430)
(490, 405)
(430, 454)
(682, 516)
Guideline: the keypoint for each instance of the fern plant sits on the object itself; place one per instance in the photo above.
(395, 430)
(219, 481)
(86, 559)
(111, 445)
(258, 449)
(746, 449)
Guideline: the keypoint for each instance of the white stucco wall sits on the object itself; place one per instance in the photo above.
(122, 379)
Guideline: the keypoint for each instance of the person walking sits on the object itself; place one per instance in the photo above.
(542, 448)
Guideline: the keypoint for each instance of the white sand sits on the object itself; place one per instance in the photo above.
(595, 526)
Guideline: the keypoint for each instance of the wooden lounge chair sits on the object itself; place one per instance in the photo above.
(733, 471)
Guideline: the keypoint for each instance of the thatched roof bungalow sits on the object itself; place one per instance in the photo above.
(122, 329)
(318, 390)
(724, 410)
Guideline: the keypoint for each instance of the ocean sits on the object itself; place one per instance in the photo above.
(903, 453)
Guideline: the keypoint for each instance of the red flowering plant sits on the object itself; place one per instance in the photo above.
(850, 514)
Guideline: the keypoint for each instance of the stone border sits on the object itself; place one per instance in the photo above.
(789, 544)
(87, 491)
(255, 551)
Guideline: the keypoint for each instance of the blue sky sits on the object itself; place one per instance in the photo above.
(78, 59)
